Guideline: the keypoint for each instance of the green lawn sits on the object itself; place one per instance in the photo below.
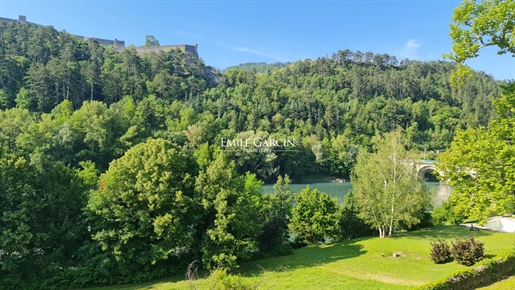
(366, 263)
(506, 284)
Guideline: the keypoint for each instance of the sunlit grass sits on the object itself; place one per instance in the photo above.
(366, 263)
(505, 284)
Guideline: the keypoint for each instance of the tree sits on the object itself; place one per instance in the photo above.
(315, 216)
(42, 223)
(351, 225)
(230, 220)
(388, 190)
(144, 209)
(101, 132)
(477, 25)
(150, 40)
(478, 166)
(21, 203)
(278, 213)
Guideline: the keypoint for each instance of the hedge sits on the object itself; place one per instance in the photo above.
(483, 274)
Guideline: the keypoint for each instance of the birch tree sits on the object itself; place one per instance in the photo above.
(389, 192)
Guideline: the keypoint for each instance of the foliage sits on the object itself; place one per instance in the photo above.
(315, 216)
(277, 210)
(468, 251)
(426, 220)
(440, 252)
(316, 265)
(477, 25)
(331, 107)
(446, 213)
(388, 190)
(150, 40)
(351, 225)
(42, 223)
(72, 110)
(229, 218)
(142, 211)
(473, 278)
(259, 67)
(478, 166)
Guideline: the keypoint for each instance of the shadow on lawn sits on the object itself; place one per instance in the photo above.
(444, 232)
(303, 258)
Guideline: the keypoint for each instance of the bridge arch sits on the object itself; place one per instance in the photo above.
(425, 168)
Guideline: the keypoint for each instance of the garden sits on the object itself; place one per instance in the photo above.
(400, 262)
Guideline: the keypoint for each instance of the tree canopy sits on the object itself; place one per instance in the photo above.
(478, 163)
(150, 40)
(110, 162)
(477, 25)
(478, 166)
(142, 210)
(388, 190)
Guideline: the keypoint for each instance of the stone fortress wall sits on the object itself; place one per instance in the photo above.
(191, 49)
(120, 44)
(105, 42)
(21, 19)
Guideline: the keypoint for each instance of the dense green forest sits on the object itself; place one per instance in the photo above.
(81, 127)
(259, 67)
(53, 82)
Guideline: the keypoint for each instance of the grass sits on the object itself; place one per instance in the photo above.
(508, 283)
(365, 263)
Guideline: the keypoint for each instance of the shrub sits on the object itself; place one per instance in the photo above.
(351, 225)
(315, 216)
(275, 233)
(426, 220)
(467, 252)
(440, 252)
(219, 279)
(473, 278)
(446, 213)
(297, 242)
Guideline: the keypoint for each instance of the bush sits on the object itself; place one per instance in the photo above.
(440, 252)
(446, 213)
(221, 280)
(315, 216)
(298, 243)
(426, 221)
(351, 225)
(485, 274)
(467, 252)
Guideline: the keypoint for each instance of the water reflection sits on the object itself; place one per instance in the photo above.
(442, 193)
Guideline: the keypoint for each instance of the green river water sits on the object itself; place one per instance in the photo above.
(340, 189)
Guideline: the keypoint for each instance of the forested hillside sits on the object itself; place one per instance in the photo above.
(259, 67)
(330, 106)
(87, 192)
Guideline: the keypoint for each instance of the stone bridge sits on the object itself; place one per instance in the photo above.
(424, 166)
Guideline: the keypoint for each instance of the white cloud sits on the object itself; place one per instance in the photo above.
(410, 49)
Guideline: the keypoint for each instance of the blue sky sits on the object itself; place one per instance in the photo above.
(233, 32)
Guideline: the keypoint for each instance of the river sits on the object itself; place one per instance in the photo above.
(340, 189)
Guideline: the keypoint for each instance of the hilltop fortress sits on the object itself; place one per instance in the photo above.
(191, 49)
(120, 44)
